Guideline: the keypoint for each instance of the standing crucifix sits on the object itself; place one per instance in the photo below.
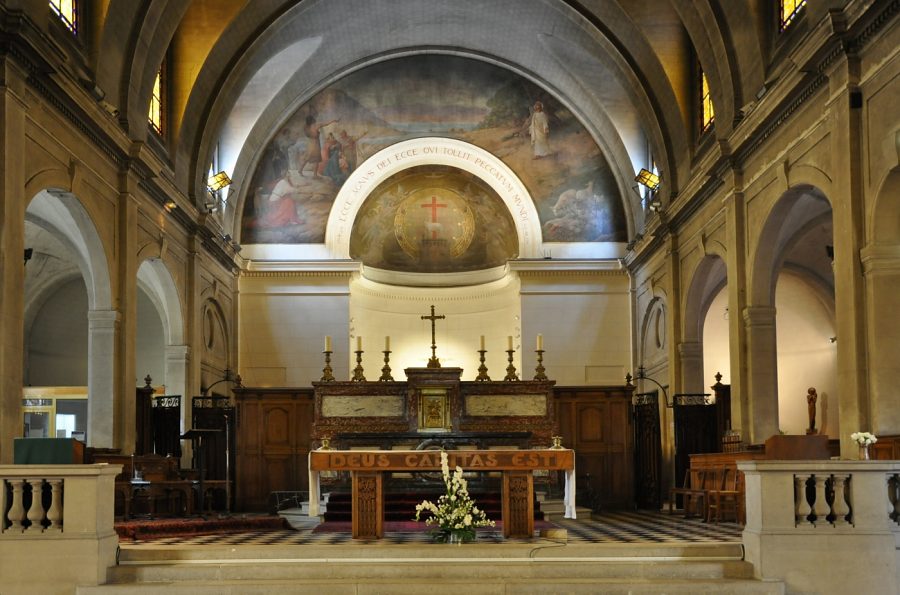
(434, 362)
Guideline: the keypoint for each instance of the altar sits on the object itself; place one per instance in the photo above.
(367, 468)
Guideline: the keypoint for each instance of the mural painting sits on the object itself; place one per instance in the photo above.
(302, 168)
(433, 219)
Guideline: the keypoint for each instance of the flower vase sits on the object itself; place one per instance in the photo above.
(864, 452)
(455, 538)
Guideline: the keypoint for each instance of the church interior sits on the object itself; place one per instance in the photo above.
(656, 239)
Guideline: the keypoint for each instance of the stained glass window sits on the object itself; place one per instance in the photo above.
(789, 11)
(67, 11)
(156, 104)
(707, 113)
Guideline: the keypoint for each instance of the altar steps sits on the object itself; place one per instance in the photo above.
(473, 569)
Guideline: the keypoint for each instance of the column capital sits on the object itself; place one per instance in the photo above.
(759, 316)
(103, 318)
(880, 259)
(690, 349)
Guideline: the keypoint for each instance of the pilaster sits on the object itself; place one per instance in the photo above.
(736, 267)
(881, 267)
(12, 246)
(690, 354)
(845, 114)
(127, 290)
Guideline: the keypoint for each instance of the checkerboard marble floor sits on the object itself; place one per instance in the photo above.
(618, 527)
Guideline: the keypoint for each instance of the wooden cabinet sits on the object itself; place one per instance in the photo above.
(273, 442)
(596, 422)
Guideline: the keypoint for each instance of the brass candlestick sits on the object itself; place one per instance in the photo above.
(539, 370)
(386, 370)
(511, 369)
(327, 375)
(482, 369)
(358, 370)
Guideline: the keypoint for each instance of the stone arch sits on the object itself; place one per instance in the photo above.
(157, 282)
(709, 277)
(794, 209)
(441, 151)
(63, 215)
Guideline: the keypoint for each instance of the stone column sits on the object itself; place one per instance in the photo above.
(103, 326)
(845, 119)
(177, 360)
(762, 374)
(12, 246)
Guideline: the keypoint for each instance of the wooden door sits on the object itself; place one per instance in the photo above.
(596, 423)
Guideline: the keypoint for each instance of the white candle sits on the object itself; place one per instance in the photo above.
(359, 343)
(540, 342)
(482, 342)
(509, 343)
(387, 343)
(327, 343)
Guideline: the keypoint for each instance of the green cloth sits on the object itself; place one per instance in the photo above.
(47, 451)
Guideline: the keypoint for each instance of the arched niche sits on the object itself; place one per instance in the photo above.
(155, 280)
(61, 229)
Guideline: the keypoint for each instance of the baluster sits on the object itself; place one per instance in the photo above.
(17, 510)
(801, 504)
(840, 506)
(36, 511)
(54, 514)
(893, 485)
(820, 506)
(2, 505)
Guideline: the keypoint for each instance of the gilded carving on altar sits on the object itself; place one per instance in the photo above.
(362, 406)
(506, 405)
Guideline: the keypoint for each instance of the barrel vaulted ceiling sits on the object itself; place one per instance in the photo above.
(240, 69)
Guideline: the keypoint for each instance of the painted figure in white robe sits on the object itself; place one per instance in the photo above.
(539, 130)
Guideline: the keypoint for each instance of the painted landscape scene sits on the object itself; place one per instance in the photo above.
(310, 157)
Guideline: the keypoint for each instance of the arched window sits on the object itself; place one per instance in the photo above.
(789, 11)
(707, 114)
(155, 117)
(67, 11)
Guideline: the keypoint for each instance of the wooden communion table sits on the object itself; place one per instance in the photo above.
(366, 468)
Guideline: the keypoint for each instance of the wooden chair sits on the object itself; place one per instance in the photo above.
(726, 503)
(692, 492)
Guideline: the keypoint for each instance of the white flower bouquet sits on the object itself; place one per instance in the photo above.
(863, 438)
(455, 514)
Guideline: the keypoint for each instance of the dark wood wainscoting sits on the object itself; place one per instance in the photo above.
(596, 422)
(274, 434)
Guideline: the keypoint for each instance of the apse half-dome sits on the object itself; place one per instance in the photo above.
(433, 219)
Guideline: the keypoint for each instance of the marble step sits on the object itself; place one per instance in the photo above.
(555, 509)
(447, 587)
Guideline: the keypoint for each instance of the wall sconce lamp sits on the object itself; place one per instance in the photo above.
(648, 179)
(229, 377)
(218, 181)
(655, 206)
(170, 205)
(29, 252)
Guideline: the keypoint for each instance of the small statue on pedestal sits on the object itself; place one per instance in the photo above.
(811, 398)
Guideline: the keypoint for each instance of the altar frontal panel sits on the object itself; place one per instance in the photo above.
(363, 406)
(506, 405)
(469, 460)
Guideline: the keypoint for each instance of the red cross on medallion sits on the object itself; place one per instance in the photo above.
(434, 206)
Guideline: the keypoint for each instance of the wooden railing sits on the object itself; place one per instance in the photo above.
(824, 526)
(58, 513)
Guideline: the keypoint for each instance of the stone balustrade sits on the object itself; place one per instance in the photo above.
(824, 526)
(62, 513)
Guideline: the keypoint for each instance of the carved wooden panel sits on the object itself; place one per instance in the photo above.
(368, 504)
(518, 504)
(276, 423)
